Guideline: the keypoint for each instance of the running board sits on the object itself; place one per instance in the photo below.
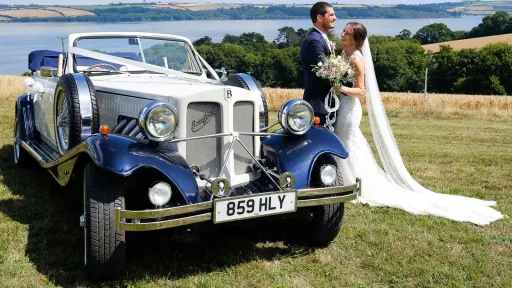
(40, 151)
(59, 166)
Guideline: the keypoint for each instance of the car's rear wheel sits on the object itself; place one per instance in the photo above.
(21, 156)
(319, 225)
(104, 247)
(69, 125)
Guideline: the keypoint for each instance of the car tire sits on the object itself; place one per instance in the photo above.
(21, 156)
(237, 81)
(68, 121)
(319, 225)
(104, 247)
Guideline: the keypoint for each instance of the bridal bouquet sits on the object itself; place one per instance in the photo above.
(336, 69)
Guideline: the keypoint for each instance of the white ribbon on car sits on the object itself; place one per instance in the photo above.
(139, 65)
(331, 111)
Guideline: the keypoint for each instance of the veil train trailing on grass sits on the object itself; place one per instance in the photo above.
(393, 187)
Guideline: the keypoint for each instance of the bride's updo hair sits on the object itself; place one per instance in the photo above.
(359, 33)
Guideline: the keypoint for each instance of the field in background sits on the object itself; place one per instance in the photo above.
(473, 43)
(208, 6)
(37, 13)
(411, 104)
(40, 238)
(69, 12)
(483, 7)
(168, 6)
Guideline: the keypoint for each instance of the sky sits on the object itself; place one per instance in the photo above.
(90, 2)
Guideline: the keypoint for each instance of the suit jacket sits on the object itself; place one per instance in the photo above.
(315, 88)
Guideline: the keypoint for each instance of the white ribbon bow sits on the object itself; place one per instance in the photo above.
(331, 110)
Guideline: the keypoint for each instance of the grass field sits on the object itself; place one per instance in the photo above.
(440, 106)
(482, 7)
(37, 13)
(209, 6)
(69, 12)
(377, 247)
(473, 43)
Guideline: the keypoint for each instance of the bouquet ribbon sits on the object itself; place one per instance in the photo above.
(331, 110)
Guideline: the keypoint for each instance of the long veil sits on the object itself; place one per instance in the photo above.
(386, 144)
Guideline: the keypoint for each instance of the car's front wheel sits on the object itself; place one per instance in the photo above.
(104, 247)
(319, 225)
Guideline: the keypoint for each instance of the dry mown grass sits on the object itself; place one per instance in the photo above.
(474, 43)
(201, 7)
(11, 87)
(438, 105)
(167, 6)
(36, 13)
(70, 12)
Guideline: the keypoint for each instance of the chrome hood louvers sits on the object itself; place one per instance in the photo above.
(128, 126)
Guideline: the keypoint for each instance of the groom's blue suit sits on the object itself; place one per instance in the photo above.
(315, 88)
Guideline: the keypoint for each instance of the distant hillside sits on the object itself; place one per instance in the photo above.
(474, 43)
(482, 7)
(209, 11)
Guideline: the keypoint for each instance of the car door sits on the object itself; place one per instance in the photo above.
(43, 106)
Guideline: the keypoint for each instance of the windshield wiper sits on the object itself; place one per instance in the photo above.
(145, 71)
(191, 72)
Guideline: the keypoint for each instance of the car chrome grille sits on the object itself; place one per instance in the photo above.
(204, 118)
(243, 121)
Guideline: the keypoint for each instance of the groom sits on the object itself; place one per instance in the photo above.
(315, 45)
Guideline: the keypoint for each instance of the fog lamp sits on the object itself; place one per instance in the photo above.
(328, 174)
(160, 194)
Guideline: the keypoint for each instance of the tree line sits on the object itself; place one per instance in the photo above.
(399, 62)
(496, 24)
(142, 12)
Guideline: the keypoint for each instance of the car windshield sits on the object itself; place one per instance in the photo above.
(166, 53)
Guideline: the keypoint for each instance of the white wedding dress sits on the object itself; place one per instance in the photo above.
(394, 187)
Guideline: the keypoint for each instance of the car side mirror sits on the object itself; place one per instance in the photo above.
(224, 73)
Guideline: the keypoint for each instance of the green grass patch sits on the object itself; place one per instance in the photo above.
(378, 247)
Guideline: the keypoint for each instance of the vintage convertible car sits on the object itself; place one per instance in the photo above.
(158, 140)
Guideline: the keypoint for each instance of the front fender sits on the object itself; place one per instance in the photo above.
(297, 154)
(123, 156)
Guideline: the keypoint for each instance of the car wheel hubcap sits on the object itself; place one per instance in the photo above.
(16, 141)
(63, 123)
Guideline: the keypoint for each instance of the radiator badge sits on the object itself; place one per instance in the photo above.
(199, 124)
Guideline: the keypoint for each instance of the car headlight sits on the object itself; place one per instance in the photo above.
(158, 121)
(296, 116)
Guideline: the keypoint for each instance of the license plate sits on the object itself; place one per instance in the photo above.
(243, 207)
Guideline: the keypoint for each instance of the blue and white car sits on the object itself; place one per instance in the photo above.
(157, 141)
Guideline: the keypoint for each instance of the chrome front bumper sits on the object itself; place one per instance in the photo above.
(202, 212)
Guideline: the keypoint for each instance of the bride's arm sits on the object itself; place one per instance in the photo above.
(359, 89)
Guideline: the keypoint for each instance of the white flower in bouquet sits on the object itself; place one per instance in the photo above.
(336, 69)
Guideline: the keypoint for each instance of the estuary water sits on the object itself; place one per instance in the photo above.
(17, 40)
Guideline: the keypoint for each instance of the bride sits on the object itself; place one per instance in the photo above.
(394, 187)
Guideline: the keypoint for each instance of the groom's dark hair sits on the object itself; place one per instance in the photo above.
(320, 8)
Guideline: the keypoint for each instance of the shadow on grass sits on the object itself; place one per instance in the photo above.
(55, 238)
